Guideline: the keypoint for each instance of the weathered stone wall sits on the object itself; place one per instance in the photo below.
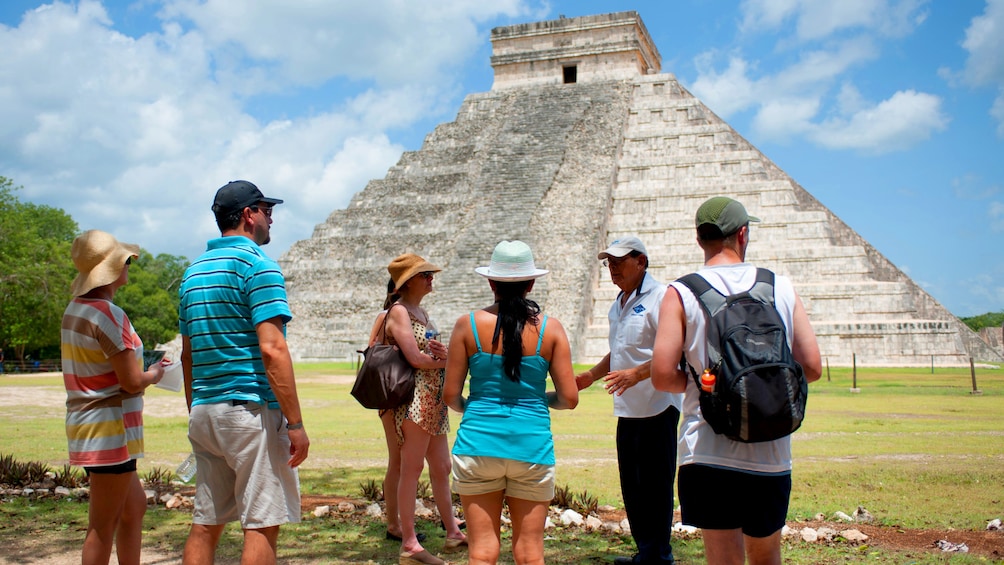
(569, 167)
(533, 164)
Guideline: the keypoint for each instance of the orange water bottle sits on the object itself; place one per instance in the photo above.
(708, 381)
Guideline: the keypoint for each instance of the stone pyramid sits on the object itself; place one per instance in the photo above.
(582, 140)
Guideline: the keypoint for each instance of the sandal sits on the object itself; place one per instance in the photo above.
(421, 558)
(452, 544)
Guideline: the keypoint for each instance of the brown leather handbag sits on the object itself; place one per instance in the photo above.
(385, 379)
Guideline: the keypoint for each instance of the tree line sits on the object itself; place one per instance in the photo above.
(35, 275)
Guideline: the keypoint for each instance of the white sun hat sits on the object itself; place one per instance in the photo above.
(512, 261)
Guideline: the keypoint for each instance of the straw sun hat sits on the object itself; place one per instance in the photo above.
(512, 261)
(403, 267)
(99, 258)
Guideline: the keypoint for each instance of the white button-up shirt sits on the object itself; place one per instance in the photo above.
(632, 335)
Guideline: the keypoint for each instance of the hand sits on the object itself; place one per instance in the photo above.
(437, 349)
(584, 380)
(299, 445)
(158, 372)
(619, 381)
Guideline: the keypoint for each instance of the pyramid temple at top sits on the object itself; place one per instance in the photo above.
(582, 140)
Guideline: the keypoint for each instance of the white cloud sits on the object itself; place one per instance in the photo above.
(134, 134)
(816, 19)
(900, 122)
(728, 92)
(985, 65)
(996, 213)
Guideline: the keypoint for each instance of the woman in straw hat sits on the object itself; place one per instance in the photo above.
(104, 378)
(504, 452)
(421, 426)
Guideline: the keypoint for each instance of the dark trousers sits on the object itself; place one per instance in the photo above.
(646, 458)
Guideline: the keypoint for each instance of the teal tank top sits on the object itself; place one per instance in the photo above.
(504, 418)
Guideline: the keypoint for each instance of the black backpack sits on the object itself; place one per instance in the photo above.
(760, 391)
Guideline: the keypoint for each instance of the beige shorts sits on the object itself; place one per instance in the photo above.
(474, 474)
(242, 473)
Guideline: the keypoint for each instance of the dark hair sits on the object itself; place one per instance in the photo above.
(392, 296)
(515, 310)
(229, 220)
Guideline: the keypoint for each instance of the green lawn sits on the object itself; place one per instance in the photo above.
(917, 449)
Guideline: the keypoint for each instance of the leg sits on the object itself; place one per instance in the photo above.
(646, 459)
(484, 522)
(723, 547)
(103, 515)
(128, 538)
(764, 551)
(393, 475)
(438, 456)
(416, 443)
(200, 549)
(528, 518)
(260, 546)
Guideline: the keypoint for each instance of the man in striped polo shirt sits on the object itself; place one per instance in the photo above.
(245, 424)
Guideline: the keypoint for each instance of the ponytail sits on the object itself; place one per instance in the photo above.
(392, 296)
(515, 310)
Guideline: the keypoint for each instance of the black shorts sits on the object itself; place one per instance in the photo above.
(120, 469)
(712, 498)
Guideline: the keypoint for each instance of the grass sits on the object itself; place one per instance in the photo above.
(916, 449)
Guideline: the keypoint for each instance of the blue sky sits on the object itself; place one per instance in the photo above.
(129, 115)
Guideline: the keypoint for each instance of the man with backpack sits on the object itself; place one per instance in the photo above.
(734, 479)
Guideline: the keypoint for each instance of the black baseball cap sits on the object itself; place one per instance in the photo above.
(237, 195)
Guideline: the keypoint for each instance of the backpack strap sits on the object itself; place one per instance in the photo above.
(763, 288)
(711, 302)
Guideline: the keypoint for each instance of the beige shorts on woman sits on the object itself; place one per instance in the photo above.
(476, 474)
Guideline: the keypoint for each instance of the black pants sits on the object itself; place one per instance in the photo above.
(646, 458)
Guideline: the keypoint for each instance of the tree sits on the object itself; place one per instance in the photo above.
(988, 320)
(35, 272)
(151, 297)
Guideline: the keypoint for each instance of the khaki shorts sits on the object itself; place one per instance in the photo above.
(242, 454)
(475, 474)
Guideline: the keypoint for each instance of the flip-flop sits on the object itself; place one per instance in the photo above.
(421, 558)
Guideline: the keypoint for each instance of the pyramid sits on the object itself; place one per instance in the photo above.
(581, 140)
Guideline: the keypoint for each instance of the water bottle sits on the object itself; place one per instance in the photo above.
(186, 470)
(431, 333)
(708, 381)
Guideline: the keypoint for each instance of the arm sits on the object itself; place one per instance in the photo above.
(132, 379)
(668, 349)
(586, 379)
(399, 326)
(279, 370)
(186, 368)
(619, 381)
(565, 395)
(377, 326)
(457, 365)
(804, 347)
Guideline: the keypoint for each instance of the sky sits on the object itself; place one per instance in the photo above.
(129, 115)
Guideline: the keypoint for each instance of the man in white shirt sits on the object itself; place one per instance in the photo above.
(647, 419)
(737, 493)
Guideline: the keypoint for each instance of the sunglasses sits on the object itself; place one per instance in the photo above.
(128, 260)
(267, 210)
(426, 275)
(617, 261)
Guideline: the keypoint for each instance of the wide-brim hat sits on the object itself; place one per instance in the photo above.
(403, 267)
(99, 259)
(512, 261)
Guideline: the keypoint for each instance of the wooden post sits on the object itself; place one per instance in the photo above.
(827, 369)
(972, 371)
(932, 364)
(854, 373)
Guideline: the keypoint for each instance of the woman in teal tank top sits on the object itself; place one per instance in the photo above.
(504, 452)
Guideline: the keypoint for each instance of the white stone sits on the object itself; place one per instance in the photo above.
(612, 527)
(605, 509)
(862, 515)
(176, 501)
(838, 515)
(853, 535)
(571, 518)
(62, 491)
(626, 526)
(827, 533)
(345, 506)
(994, 524)
(374, 510)
(787, 532)
(593, 523)
(683, 529)
(548, 524)
(322, 511)
(809, 535)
